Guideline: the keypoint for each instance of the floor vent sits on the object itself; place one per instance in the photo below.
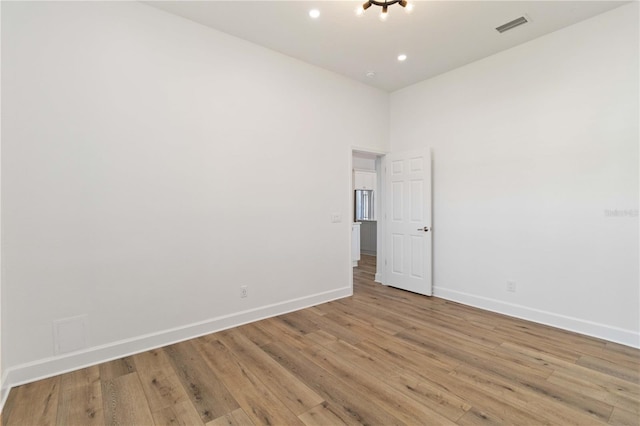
(509, 25)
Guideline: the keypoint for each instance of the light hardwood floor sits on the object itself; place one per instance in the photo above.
(381, 357)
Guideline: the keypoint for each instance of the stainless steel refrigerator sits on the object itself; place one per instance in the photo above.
(364, 205)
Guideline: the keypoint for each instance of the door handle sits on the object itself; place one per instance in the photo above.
(425, 229)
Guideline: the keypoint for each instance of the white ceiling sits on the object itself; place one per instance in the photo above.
(437, 36)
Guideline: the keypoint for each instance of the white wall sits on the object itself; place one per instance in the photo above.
(151, 166)
(530, 148)
(361, 162)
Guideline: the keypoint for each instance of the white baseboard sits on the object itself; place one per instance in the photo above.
(53, 366)
(378, 278)
(4, 392)
(577, 325)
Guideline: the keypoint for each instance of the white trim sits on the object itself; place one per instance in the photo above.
(577, 325)
(4, 391)
(378, 152)
(350, 214)
(53, 366)
(381, 232)
(379, 200)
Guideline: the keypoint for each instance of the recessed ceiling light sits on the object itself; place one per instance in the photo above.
(370, 74)
(314, 13)
(402, 57)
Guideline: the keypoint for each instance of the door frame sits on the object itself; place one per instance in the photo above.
(380, 207)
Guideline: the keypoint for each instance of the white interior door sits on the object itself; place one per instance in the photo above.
(408, 221)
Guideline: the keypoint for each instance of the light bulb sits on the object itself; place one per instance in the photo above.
(314, 13)
(360, 11)
(384, 14)
(409, 7)
(402, 57)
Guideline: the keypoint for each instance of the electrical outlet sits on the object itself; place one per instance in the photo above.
(511, 286)
(244, 291)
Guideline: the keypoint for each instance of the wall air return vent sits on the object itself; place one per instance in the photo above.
(510, 25)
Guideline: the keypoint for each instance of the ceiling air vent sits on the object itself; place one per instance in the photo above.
(509, 25)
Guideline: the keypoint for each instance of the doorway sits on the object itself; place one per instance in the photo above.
(367, 207)
(397, 236)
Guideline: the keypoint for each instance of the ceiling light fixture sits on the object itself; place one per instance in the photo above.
(402, 57)
(384, 5)
(314, 13)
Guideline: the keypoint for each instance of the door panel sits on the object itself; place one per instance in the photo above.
(396, 254)
(408, 179)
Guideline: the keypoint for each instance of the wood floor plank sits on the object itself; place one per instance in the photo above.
(9, 404)
(35, 403)
(205, 388)
(296, 395)
(442, 402)
(547, 403)
(402, 358)
(589, 384)
(320, 337)
(332, 327)
(235, 418)
(300, 321)
(123, 401)
(605, 366)
(280, 331)
(116, 368)
(538, 344)
(395, 403)
(575, 343)
(257, 401)
(160, 383)
(475, 357)
(619, 349)
(162, 389)
(81, 398)
(320, 415)
(360, 328)
(352, 309)
(83, 377)
(180, 414)
(255, 334)
(153, 360)
(351, 406)
(624, 418)
(582, 380)
(478, 417)
(470, 352)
